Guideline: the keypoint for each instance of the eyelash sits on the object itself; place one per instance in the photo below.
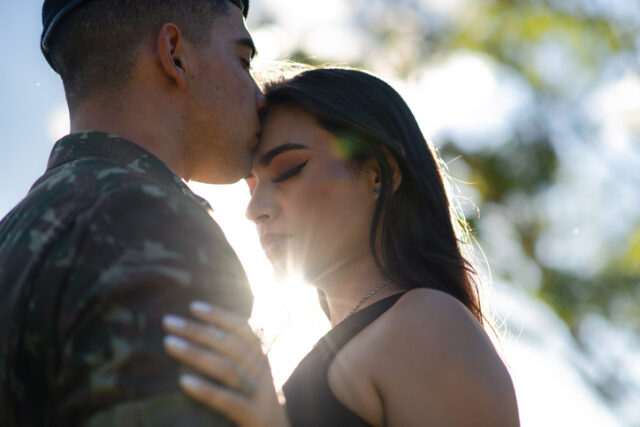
(246, 64)
(290, 173)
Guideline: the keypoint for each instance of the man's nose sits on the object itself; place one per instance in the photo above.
(261, 101)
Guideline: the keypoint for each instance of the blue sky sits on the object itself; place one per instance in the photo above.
(31, 93)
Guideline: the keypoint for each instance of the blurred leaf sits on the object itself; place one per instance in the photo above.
(518, 166)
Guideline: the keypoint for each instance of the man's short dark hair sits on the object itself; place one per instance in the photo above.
(94, 47)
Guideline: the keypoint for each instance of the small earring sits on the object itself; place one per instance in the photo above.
(376, 191)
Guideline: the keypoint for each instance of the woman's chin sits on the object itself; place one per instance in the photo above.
(285, 268)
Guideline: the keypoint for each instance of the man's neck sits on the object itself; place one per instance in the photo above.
(155, 135)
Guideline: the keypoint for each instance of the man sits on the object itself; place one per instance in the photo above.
(110, 238)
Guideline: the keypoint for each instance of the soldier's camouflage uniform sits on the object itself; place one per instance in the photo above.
(107, 241)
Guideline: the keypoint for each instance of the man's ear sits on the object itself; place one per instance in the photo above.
(172, 54)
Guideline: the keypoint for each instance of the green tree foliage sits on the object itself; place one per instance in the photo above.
(517, 35)
(559, 52)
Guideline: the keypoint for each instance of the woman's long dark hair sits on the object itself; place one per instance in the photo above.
(413, 226)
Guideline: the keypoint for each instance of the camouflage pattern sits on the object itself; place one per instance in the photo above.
(106, 242)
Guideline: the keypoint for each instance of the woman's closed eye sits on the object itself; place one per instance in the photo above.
(290, 173)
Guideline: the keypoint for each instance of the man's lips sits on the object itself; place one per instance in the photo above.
(256, 141)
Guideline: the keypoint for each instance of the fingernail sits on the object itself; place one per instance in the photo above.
(190, 381)
(201, 307)
(175, 342)
(174, 321)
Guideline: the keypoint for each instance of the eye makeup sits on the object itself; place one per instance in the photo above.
(287, 164)
(290, 173)
(282, 168)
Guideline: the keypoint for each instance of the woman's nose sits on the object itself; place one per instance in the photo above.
(262, 208)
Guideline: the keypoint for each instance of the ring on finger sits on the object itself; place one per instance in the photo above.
(246, 383)
(216, 334)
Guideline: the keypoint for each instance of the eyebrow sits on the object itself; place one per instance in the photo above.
(266, 158)
(248, 42)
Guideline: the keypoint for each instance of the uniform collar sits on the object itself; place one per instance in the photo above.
(130, 155)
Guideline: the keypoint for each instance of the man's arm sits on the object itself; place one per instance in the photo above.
(144, 255)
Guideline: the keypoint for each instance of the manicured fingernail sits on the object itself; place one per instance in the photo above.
(174, 321)
(201, 307)
(190, 381)
(175, 342)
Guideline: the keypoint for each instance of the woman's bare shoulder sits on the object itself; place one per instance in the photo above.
(437, 326)
(432, 346)
(425, 313)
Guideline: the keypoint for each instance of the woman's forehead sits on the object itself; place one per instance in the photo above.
(290, 115)
(288, 124)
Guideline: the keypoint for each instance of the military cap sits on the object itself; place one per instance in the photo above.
(53, 11)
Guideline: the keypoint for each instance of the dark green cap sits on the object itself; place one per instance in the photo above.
(53, 11)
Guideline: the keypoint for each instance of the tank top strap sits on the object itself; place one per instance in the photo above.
(344, 331)
(310, 401)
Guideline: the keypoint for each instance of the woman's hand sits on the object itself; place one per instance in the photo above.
(225, 348)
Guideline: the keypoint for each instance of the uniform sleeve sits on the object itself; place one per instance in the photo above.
(144, 254)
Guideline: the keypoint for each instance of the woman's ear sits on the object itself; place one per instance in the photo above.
(396, 174)
(374, 171)
(172, 54)
(371, 168)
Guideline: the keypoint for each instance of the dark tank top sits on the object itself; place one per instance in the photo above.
(310, 401)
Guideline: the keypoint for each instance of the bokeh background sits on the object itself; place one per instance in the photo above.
(535, 108)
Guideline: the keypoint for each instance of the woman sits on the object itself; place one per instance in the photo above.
(346, 191)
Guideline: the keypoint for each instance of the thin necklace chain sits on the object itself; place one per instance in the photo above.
(366, 297)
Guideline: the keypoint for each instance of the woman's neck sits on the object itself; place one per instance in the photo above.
(347, 287)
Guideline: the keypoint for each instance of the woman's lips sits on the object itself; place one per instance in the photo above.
(271, 241)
